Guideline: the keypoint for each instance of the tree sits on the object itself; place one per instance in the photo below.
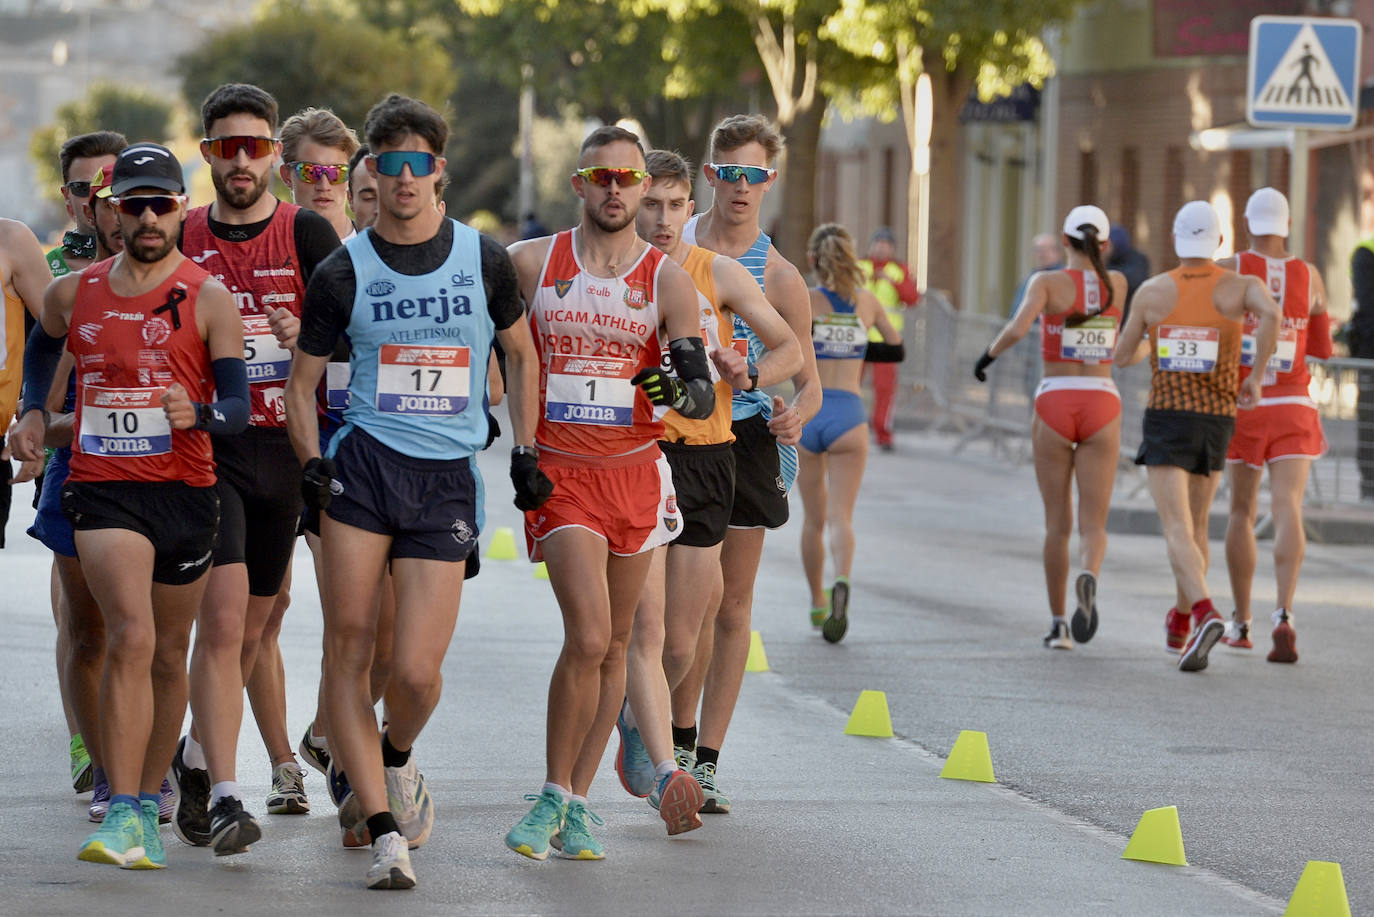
(135, 113)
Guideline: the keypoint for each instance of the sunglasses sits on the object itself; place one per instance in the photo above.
(312, 172)
(228, 147)
(160, 204)
(78, 188)
(754, 175)
(603, 176)
(392, 162)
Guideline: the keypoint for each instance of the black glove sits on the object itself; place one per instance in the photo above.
(493, 430)
(659, 387)
(983, 363)
(532, 486)
(317, 480)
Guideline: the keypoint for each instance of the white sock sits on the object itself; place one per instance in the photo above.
(664, 768)
(1059, 619)
(316, 739)
(581, 799)
(628, 712)
(1279, 613)
(222, 789)
(194, 756)
(565, 794)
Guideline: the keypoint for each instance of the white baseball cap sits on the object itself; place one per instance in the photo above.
(1197, 230)
(1086, 215)
(1267, 213)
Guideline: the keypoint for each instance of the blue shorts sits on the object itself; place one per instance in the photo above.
(50, 525)
(840, 412)
(431, 508)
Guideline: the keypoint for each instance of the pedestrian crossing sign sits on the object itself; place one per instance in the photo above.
(1304, 72)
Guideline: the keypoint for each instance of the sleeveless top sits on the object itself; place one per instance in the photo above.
(418, 352)
(1195, 351)
(593, 334)
(717, 328)
(1289, 281)
(11, 355)
(1093, 341)
(841, 335)
(128, 350)
(263, 273)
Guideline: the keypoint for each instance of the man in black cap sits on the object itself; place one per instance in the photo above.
(159, 354)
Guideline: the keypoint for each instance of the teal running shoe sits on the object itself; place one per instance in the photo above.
(118, 840)
(685, 758)
(154, 857)
(83, 777)
(715, 802)
(574, 840)
(678, 798)
(632, 762)
(531, 834)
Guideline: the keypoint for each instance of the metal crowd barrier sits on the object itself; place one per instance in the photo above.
(939, 392)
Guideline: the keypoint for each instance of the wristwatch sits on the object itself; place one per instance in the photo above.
(753, 378)
(204, 414)
(524, 450)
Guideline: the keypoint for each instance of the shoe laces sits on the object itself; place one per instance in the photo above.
(545, 810)
(406, 780)
(577, 816)
(388, 847)
(288, 777)
(705, 774)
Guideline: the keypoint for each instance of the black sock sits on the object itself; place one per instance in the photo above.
(685, 736)
(381, 823)
(707, 755)
(391, 757)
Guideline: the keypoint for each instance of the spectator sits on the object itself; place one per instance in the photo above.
(1359, 335)
(1129, 260)
(890, 280)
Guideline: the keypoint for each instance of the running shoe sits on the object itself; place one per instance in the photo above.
(191, 786)
(166, 803)
(288, 791)
(1084, 622)
(1205, 636)
(1237, 634)
(686, 758)
(1285, 640)
(232, 829)
(118, 840)
(410, 803)
(574, 839)
(352, 823)
(837, 622)
(818, 616)
(714, 801)
(82, 778)
(531, 835)
(1058, 638)
(678, 798)
(100, 802)
(154, 857)
(390, 863)
(317, 756)
(1177, 626)
(632, 762)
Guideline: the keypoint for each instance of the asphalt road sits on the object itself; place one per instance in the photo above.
(1269, 766)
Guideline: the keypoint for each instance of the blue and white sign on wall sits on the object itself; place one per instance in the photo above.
(1304, 72)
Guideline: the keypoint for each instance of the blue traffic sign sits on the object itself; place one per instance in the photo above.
(1304, 72)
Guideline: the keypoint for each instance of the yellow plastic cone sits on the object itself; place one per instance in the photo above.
(1157, 838)
(969, 759)
(541, 571)
(758, 660)
(1320, 892)
(870, 716)
(502, 545)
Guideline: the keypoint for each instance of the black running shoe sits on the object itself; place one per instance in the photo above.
(191, 793)
(1084, 623)
(837, 622)
(231, 828)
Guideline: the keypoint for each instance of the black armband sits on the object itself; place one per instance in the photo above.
(698, 398)
(230, 413)
(879, 352)
(41, 355)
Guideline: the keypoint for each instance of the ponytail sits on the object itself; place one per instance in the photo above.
(1088, 245)
(837, 267)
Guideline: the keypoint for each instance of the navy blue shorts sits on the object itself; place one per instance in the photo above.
(431, 508)
(840, 412)
(50, 525)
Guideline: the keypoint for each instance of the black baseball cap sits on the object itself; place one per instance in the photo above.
(146, 165)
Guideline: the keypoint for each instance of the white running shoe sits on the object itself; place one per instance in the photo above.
(390, 863)
(410, 803)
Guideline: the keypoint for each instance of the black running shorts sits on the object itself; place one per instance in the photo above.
(1194, 442)
(760, 494)
(181, 521)
(704, 481)
(260, 504)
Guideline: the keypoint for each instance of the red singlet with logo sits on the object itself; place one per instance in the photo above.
(262, 273)
(1289, 281)
(128, 350)
(593, 334)
(1091, 342)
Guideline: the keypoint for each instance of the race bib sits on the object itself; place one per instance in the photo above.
(336, 376)
(267, 359)
(124, 422)
(1090, 342)
(839, 335)
(665, 359)
(590, 390)
(417, 379)
(1187, 349)
(1285, 353)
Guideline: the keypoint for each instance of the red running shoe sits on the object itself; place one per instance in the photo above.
(1177, 626)
(1285, 641)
